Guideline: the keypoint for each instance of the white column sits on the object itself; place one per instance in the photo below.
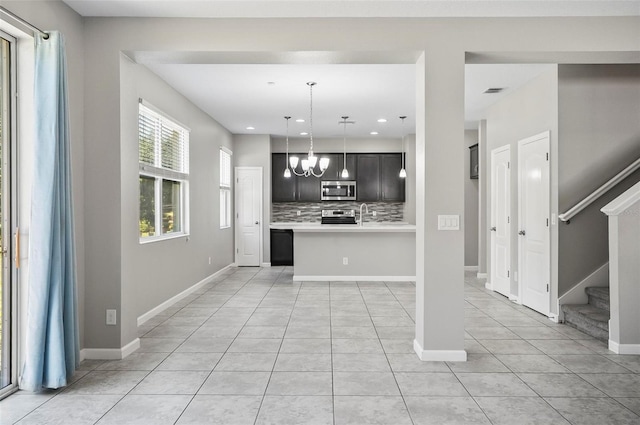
(440, 191)
(624, 269)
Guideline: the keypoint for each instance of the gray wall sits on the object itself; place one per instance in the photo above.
(57, 16)
(255, 151)
(599, 123)
(154, 272)
(471, 194)
(530, 110)
(439, 48)
(321, 254)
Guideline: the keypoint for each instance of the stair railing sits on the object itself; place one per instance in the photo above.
(573, 211)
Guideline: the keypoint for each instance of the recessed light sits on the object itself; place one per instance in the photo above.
(251, 128)
(299, 120)
(374, 133)
(382, 120)
(304, 133)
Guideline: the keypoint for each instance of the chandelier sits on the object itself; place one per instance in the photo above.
(308, 164)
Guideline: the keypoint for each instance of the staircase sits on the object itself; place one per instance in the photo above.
(591, 318)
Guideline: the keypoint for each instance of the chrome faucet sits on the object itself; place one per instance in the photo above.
(366, 207)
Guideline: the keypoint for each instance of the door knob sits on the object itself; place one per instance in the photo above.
(257, 222)
(522, 232)
(493, 229)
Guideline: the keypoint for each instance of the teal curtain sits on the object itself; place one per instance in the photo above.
(52, 343)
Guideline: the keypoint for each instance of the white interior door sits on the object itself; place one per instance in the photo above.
(500, 227)
(248, 215)
(534, 257)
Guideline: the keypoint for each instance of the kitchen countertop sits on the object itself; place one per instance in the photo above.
(373, 227)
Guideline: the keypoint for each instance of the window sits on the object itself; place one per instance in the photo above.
(225, 188)
(163, 155)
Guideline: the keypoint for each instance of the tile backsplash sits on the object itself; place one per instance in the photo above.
(310, 212)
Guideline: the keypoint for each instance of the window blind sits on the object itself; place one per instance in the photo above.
(225, 168)
(162, 143)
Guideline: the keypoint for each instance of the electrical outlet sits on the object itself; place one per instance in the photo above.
(111, 317)
(345, 261)
(209, 260)
(298, 213)
(373, 213)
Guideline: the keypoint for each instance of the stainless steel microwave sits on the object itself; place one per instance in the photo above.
(338, 190)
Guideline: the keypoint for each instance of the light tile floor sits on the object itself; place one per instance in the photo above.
(254, 347)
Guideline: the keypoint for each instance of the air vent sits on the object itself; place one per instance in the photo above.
(493, 90)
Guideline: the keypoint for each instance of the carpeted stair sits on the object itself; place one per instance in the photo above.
(591, 318)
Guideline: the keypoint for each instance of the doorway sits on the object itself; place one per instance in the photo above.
(534, 250)
(500, 227)
(248, 227)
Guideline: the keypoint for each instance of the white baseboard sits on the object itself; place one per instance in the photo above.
(171, 301)
(577, 295)
(109, 353)
(555, 318)
(515, 299)
(624, 348)
(481, 275)
(471, 268)
(488, 286)
(354, 278)
(265, 265)
(439, 355)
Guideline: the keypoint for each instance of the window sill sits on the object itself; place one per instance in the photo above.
(165, 237)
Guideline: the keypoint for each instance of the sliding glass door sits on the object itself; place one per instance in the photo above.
(7, 289)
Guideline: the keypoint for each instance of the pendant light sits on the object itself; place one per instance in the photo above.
(345, 172)
(403, 172)
(309, 163)
(287, 172)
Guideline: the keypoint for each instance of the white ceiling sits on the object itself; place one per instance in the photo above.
(238, 94)
(353, 8)
(478, 78)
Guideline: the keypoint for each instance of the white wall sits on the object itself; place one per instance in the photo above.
(529, 110)
(471, 194)
(335, 145)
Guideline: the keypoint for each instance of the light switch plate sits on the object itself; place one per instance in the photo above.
(448, 222)
(111, 317)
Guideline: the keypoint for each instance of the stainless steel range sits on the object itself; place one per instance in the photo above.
(338, 217)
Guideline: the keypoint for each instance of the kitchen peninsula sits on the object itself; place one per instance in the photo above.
(373, 252)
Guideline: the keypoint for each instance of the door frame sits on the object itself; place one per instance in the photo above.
(236, 229)
(492, 235)
(546, 135)
(10, 219)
